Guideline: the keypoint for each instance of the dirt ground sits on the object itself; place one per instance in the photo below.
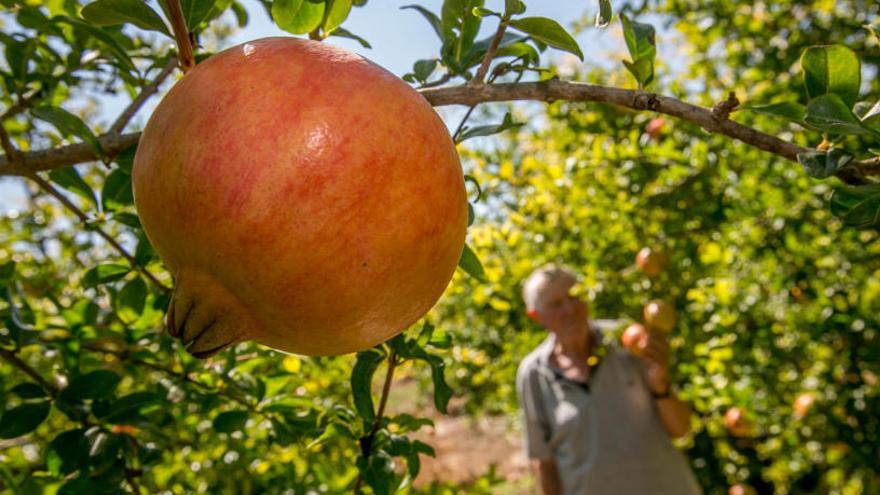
(466, 447)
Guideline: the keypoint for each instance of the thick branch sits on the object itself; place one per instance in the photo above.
(555, 89)
(547, 91)
(64, 156)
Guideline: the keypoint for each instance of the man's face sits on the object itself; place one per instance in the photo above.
(559, 311)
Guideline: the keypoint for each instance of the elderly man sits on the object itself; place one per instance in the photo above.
(596, 419)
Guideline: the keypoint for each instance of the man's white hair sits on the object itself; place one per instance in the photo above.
(540, 278)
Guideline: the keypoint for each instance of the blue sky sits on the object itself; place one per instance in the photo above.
(398, 38)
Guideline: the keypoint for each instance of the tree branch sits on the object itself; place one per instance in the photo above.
(181, 35)
(490, 54)
(548, 91)
(144, 95)
(14, 360)
(64, 156)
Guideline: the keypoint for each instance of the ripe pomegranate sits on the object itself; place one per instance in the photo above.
(740, 489)
(803, 403)
(302, 197)
(659, 315)
(651, 261)
(635, 339)
(736, 423)
(654, 128)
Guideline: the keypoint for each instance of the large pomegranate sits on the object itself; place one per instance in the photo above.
(302, 196)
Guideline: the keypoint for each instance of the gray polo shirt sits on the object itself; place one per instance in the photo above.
(606, 436)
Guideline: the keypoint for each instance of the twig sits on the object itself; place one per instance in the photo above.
(550, 90)
(24, 367)
(722, 109)
(8, 147)
(457, 133)
(439, 82)
(181, 35)
(48, 187)
(130, 477)
(144, 95)
(23, 104)
(367, 442)
(490, 53)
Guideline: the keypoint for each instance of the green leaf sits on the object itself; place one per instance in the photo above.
(333, 430)
(196, 11)
(858, 206)
(131, 300)
(640, 39)
(460, 26)
(68, 124)
(603, 17)
(440, 339)
(144, 252)
(431, 17)
(117, 191)
(423, 69)
(477, 51)
(484, 12)
(99, 34)
(102, 274)
(549, 32)
(344, 33)
(229, 421)
(488, 130)
(871, 114)
(241, 15)
(129, 219)
(379, 473)
(471, 214)
(821, 164)
(788, 110)
(23, 419)
(442, 390)
(130, 407)
(97, 384)
(297, 16)
(68, 452)
(7, 271)
(361, 380)
(28, 390)
(337, 11)
(471, 264)
(18, 55)
(112, 12)
(125, 159)
(69, 179)
(513, 7)
(829, 113)
(832, 69)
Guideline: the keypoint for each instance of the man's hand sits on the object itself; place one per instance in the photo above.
(655, 358)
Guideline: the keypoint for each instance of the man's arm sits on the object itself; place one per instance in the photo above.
(548, 476)
(674, 414)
